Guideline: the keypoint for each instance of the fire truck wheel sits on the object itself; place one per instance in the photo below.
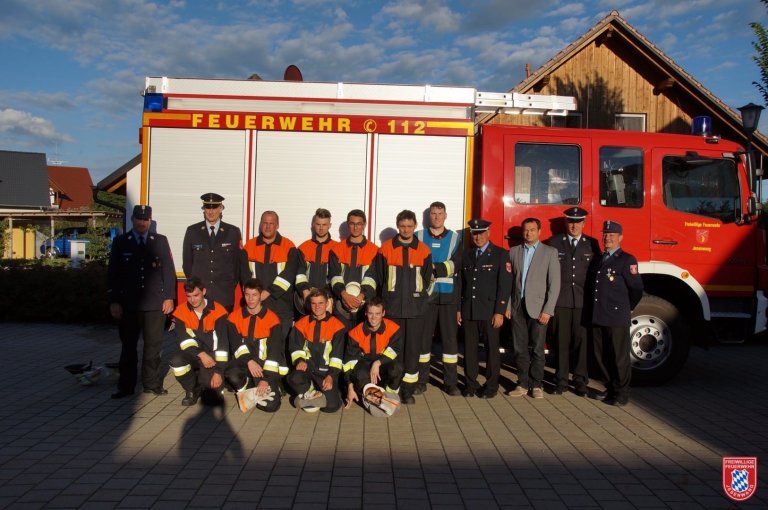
(659, 341)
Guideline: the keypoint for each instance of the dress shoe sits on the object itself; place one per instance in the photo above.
(453, 391)
(191, 397)
(559, 390)
(580, 391)
(121, 394)
(537, 393)
(597, 395)
(407, 398)
(519, 391)
(420, 388)
(488, 394)
(156, 391)
(469, 392)
(618, 401)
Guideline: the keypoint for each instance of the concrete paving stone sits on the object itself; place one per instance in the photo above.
(316, 475)
(208, 500)
(15, 490)
(98, 505)
(109, 495)
(120, 483)
(408, 483)
(276, 502)
(81, 488)
(134, 501)
(35, 495)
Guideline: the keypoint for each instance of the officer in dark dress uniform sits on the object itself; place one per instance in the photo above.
(576, 253)
(485, 287)
(212, 252)
(618, 289)
(141, 286)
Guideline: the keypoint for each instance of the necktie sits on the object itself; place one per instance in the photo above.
(141, 241)
(213, 231)
(606, 256)
(574, 241)
(478, 253)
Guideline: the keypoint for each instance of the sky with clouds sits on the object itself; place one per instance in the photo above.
(72, 71)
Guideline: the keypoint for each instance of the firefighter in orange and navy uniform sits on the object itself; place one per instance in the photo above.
(316, 345)
(201, 328)
(274, 259)
(314, 254)
(353, 260)
(373, 353)
(406, 265)
(258, 345)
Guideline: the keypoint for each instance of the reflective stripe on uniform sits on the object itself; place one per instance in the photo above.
(349, 365)
(411, 378)
(295, 355)
(424, 358)
(335, 363)
(262, 348)
(189, 342)
(450, 358)
(370, 282)
(221, 356)
(390, 353)
(242, 351)
(391, 277)
(282, 283)
(272, 366)
(179, 371)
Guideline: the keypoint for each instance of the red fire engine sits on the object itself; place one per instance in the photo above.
(685, 201)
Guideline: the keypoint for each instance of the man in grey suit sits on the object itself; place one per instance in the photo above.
(536, 274)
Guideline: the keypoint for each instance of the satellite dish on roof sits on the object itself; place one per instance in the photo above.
(292, 73)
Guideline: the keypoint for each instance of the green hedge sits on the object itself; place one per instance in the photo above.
(48, 291)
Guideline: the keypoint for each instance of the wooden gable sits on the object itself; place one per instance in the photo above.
(616, 74)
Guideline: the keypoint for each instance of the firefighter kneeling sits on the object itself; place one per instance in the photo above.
(317, 346)
(259, 359)
(201, 328)
(372, 360)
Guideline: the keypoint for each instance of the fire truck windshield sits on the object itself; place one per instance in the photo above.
(702, 186)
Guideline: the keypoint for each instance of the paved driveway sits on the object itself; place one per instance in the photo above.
(63, 445)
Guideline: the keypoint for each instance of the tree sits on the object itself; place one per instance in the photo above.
(761, 59)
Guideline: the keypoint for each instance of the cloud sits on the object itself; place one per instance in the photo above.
(59, 101)
(432, 14)
(567, 10)
(23, 125)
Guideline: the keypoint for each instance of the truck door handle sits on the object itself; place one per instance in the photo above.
(667, 242)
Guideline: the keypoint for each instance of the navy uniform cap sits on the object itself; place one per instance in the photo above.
(211, 199)
(142, 212)
(611, 227)
(478, 225)
(575, 214)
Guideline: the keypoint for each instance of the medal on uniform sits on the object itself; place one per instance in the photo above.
(610, 276)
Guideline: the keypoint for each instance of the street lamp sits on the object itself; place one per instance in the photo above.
(750, 116)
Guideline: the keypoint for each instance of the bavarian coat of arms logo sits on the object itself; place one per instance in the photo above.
(739, 477)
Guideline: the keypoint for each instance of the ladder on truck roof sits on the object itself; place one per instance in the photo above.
(526, 104)
(196, 93)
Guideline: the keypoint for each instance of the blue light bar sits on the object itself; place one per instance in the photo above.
(153, 102)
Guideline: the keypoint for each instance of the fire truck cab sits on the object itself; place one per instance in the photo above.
(688, 213)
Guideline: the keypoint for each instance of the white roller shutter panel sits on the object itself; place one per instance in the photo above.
(414, 171)
(298, 172)
(184, 164)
